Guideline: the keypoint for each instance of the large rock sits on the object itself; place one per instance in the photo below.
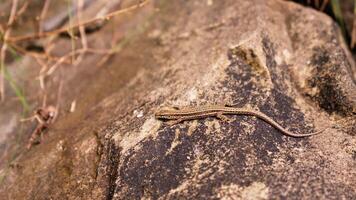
(277, 57)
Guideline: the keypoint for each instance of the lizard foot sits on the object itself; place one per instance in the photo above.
(223, 118)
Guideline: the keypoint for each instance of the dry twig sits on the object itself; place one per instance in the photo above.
(323, 6)
(82, 33)
(353, 33)
(43, 15)
(6, 35)
(65, 29)
(73, 53)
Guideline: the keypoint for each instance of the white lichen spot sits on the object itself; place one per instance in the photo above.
(88, 146)
(156, 33)
(192, 94)
(256, 191)
(132, 139)
(60, 145)
(314, 91)
(175, 142)
(278, 59)
(286, 54)
(138, 113)
(192, 127)
(214, 127)
(229, 192)
(217, 125)
(184, 185)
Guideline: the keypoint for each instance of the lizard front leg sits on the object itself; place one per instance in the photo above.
(222, 117)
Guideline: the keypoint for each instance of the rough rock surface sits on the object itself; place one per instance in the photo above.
(274, 56)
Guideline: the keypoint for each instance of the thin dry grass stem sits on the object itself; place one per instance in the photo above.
(114, 40)
(353, 33)
(73, 53)
(84, 23)
(316, 3)
(324, 4)
(16, 15)
(35, 55)
(41, 77)
(82, 33)
(43, 15)
(60, 61)
(33, 117)
(59, 95)
(6, 35)
(2, 72)
(22, 9)
(44, 100)
(2, 30)
(105, 58)
(27, 119)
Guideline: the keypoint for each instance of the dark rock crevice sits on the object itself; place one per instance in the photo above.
(106, 169)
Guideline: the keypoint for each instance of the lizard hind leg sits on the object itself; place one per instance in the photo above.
(173, 108)
(223, 117)
(230, 104)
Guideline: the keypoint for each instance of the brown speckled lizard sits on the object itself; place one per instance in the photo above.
(176, 115)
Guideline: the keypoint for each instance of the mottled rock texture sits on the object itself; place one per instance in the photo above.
(277, 57)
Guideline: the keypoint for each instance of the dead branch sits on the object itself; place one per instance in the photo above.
(73, 53)
(4, 48)
(323, 6)
(43, 15)
(353, 33)
(85, 23)
(35, 55)
(82, 33)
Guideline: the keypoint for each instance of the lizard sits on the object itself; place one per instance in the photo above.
(175, 115)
